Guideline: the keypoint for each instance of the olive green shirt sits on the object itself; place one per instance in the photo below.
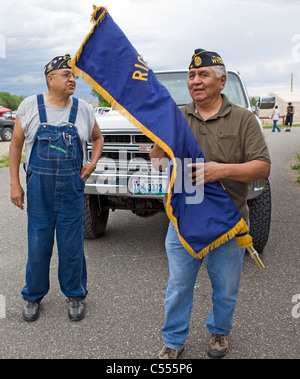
(232, 135)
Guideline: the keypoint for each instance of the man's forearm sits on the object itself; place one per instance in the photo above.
(159, 158)
(16, 190)
(247, 172)
(240, 172)
(97, 147)
(15, 154)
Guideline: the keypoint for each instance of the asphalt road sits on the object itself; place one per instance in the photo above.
(127, 272)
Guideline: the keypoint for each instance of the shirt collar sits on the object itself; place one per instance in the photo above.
(225, 108)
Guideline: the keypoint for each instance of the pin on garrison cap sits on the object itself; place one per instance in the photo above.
(204, 58)
(61, 61)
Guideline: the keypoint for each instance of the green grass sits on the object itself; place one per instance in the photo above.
(280, 126)
(296, 167)
(4, 160)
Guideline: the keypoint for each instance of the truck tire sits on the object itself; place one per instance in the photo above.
(260, 218)
(95, 216)
(6, 134)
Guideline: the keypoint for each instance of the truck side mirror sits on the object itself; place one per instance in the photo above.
(266, 102)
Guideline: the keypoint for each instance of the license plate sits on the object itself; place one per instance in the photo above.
(148, 187)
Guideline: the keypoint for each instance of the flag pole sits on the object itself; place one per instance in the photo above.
(254, 254)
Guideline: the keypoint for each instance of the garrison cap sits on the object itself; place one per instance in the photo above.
(203, 58)
(62, 61)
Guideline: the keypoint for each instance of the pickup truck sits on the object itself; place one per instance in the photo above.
(6, 129)
(124, 177)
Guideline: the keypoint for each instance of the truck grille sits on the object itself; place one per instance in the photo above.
(130, 139)
(130, 146)
(117, 139)
(142, 139)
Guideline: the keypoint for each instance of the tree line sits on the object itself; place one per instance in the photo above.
(13, 101)
(101, 101)
(10, 101)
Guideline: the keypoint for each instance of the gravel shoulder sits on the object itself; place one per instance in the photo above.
(4, 148)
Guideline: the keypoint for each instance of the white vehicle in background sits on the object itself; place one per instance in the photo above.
(99, 111)
(124, 176)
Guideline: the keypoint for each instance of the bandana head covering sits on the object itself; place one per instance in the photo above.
(203, 58)
(62, 61)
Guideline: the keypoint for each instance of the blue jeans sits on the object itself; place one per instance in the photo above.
(224, 266)
(275, 126)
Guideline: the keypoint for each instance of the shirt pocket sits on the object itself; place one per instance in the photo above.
(227, 149)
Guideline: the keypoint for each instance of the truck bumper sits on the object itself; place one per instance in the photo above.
(122, 184)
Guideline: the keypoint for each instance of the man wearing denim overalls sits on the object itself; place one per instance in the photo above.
(54, 125)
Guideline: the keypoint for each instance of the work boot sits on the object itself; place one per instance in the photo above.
(31, 311)
(217, 346)
(76, 309)
(168, 353)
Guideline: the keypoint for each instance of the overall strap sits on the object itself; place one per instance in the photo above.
(73, 112)
(41, 108)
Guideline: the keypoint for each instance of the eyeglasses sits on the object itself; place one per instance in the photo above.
(67, 75)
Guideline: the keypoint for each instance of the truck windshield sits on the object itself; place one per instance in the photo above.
(176, 84)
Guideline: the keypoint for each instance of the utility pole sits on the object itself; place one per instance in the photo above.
(292, 77)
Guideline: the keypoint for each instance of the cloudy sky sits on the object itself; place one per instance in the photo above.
(258, 38)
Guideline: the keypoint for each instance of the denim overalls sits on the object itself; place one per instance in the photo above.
(55, 193)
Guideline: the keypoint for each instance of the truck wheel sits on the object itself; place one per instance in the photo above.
(260, 218)
(95, 216)
(6, 134)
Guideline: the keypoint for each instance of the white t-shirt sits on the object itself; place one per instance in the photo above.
(30, 120)
(276, 114)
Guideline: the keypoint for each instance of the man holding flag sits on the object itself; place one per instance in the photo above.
(235, 154)
(233, 149)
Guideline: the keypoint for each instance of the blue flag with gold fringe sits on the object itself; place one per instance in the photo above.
(110, 64)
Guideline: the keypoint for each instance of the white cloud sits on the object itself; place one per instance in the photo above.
(253, 36)
(250, 33)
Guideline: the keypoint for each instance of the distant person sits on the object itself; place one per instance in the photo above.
(54, 125)
(275, 118)
(289, 117)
